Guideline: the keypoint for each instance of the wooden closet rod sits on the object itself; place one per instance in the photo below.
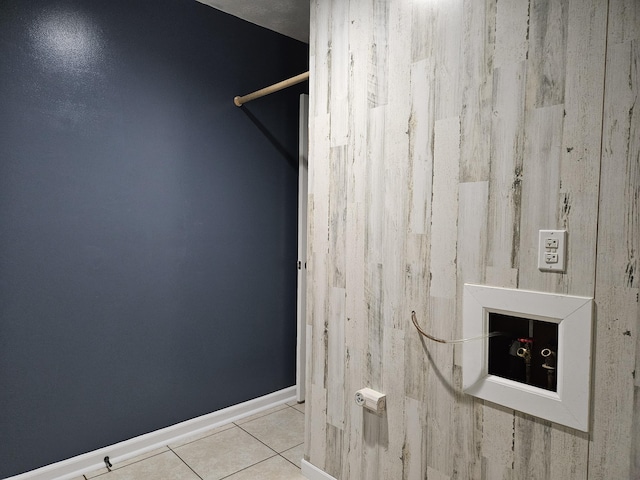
(271, 89)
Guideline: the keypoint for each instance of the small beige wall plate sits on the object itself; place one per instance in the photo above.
(569, 404)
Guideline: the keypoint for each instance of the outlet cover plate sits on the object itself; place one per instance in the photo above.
(552, 250)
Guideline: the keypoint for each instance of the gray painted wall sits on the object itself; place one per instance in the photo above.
(147, 225)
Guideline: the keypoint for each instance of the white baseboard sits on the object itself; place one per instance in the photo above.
(90, 461)
(311, 472)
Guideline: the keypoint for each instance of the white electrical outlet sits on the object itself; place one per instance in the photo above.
(552, 250)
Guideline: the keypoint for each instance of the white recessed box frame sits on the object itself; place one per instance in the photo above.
(569, 405)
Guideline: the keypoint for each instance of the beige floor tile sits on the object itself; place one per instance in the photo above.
(261, 414)
(298, 406)
(165, 466)
(201, 435)
(149, 454)
(224, 453)
(295, 454)
(276, 468)
(280, 430)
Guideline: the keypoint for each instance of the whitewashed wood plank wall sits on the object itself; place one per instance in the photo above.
(443, 136)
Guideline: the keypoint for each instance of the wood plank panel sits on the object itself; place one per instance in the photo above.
(576, 447)
(414, 449)
(317, 265)
(532, 447)
(374, 246)
(467, 423)
(507, 150)
(421, 146)
(544, 171)
(339, 77)
(541, 173)
(375, 430)
(512, 32)
(316, 408)
(448, 55)
(335, 439)
(356, 328)
(635, 428)
(478, 45)
(467, 412)
(377, 80)
(321, 67)
(391, 445)
(417, 264)
(615, 411)
(497, 442)
(472, 237)
(336, 395)
(337, 215)
(547, 52)
(417, 283)
(440, 391)
(423, 30)
(446, 172)
(360, 31)
(580, 164)
(513, 92)
(396, 164)
(355, 341)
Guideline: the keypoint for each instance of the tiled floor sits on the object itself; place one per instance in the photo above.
(265, 446)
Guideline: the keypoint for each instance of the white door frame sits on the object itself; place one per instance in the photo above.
(303, 165)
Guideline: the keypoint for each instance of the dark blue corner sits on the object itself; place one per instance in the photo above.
(147, 225)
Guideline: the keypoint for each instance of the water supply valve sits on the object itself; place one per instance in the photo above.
(524, 352)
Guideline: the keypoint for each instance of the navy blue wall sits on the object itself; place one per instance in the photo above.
(147, 225)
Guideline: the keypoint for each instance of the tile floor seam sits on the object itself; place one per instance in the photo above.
(261, 414)
(249, 433)
(261, 441)
(250, 466)
(289, 460)
(182, 460)
(178, 445)
(294, 408)
(231, 425)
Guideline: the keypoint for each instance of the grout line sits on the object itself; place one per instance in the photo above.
(292, 406)
(219, 428)
(249, 466)
(253, 436)
(289, 461)
(233, 425)
(262, 414)
(275, 454)
(297, 466)
(268, 446)
(279, 454)
(182, 460)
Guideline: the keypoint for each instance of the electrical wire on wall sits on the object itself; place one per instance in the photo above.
(414, 319)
